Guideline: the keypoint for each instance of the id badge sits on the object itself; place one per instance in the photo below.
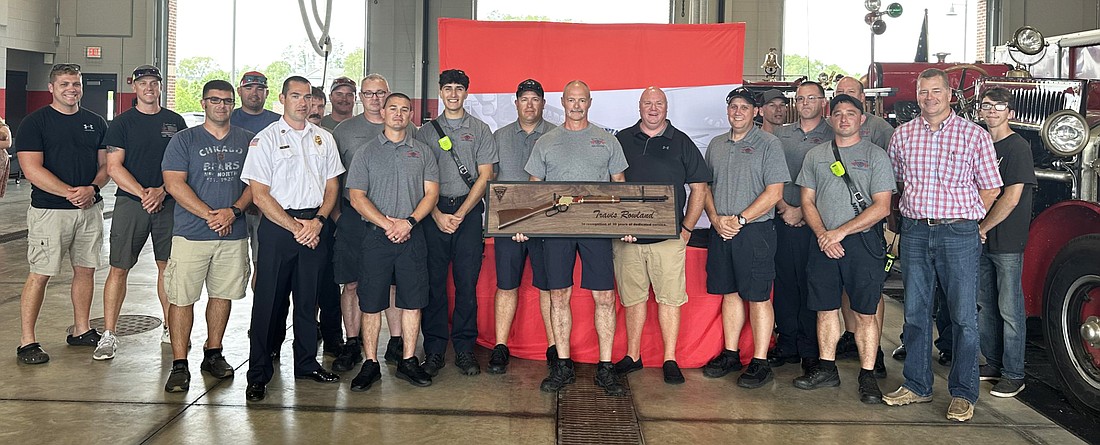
(445, 143)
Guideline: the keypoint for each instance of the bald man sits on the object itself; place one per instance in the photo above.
(658, 152)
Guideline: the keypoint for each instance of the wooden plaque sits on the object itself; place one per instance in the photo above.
(581, 209)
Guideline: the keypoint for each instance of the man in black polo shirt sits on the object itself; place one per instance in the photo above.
(658, 152)
(135, 147)
(60, 149)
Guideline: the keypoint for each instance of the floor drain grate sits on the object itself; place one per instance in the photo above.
(127, 324)
(587, 415)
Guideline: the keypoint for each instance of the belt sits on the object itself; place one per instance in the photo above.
(938, 221)
(303, 213)
(452, 201)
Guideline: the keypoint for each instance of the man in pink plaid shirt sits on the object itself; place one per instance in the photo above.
(947, 171)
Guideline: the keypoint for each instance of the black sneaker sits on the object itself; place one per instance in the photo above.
(627, 365)
(819, 377)
(809, 363)
(778, 357)
(395, 350)
(32, 354)
(409, 370)
(90, 338)
(1007, 388)
(672, 373)
(350, 356)
(724, 363)
(368, 374)
(608, 380)
(432, 364)
(466, 362)
(551, 356)
(987, 372)
(214, 364)
(498, 359)
(880, 365)
(846, 347)
(560, 375)
(757, 374)
(945, 358)
(899, 353)
(869, 392)
(179, 379)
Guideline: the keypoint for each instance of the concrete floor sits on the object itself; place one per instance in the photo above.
(74, 399)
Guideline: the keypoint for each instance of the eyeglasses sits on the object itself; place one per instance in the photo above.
(378, 93)
(999, 106)
(219, 100)
(806, 98)
(65, 67)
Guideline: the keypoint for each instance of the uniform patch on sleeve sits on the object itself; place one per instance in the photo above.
(254, 142)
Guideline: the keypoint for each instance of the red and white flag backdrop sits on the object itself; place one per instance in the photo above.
(696, 66)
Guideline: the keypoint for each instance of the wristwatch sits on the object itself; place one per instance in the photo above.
(741, 220)
(322, 218)
(236, 212)
(412, 221)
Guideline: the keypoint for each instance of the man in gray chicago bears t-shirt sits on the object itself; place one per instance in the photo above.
(202, 170)
(579, 151)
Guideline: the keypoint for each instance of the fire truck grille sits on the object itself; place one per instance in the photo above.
(1038, 98)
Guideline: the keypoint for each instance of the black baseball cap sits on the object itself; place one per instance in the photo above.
(454, 76)
(771, 95)
(844, 98)
(146, 70)
(743, 93)
(530, 85)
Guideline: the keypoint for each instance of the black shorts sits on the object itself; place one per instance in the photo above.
(745, 264)
(510, 259)
(861, 272)
(597, 267)
(347, 249)
(405, 263)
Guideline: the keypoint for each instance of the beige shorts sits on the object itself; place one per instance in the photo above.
(637, 266)
(222, 265)
(52, 232)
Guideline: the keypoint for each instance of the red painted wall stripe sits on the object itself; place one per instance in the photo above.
(499, 55)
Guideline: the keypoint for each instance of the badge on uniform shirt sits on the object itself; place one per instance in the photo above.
(317, 139)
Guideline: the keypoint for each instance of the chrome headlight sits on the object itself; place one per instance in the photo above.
(1065, 133)
(1028, 40)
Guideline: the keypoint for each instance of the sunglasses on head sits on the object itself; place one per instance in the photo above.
(65, 67)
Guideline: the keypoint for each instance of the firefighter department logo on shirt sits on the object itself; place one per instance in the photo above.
(598, 142)
(748, 150)
(815, 140)
(467, 137)
(860, 164)
(413, 154)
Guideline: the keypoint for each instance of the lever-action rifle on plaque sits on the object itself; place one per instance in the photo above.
(561, 204)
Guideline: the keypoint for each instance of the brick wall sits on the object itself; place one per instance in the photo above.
(980, 46)
(170, 68)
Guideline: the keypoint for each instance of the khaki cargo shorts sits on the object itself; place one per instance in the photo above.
(222, 265)
(53, 232)
(637, 266)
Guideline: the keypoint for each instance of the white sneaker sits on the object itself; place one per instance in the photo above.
(107, 346)
(165, 337)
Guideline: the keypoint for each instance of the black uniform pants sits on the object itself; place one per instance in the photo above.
(460, 253)
(285, 267)
(795, 323)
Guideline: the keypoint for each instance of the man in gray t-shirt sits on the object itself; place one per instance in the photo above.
(515, 142)
(749, 173)
(202, 171)
(846, 189)
(579, 151)
(394, 184)
(466, 152)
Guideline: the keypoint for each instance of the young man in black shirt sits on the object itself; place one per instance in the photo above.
(1001, 320)
(135, 147)
(60, 149)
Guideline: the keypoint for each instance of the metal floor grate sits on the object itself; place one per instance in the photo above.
(587, 415)
(127, 324)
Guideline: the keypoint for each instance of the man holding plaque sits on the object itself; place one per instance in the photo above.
(579, 151)
(658, 152)
(749, 173)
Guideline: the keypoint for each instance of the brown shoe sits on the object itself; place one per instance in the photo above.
(960, 409)
(903, 396)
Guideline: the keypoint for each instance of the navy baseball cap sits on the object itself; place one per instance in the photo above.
(743, 93)
(530, 85)
(454, 76)
(844, 98)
